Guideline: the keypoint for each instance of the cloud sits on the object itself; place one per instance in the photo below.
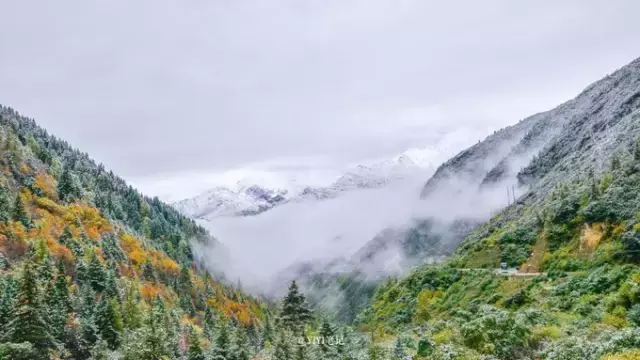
(168, 87)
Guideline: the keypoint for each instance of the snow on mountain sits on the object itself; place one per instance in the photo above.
(257, 191)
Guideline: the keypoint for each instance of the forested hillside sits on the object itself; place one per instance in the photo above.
(90, 268)
(572, 238)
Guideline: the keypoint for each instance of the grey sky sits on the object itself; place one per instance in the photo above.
(157, 87)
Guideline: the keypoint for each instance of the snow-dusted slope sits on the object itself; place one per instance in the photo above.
(252, 195)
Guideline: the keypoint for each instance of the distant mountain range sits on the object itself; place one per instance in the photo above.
(250, 197)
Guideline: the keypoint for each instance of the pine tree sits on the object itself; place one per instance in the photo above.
(399, 353)
(282, 349)
(241, 346)
(27, 323)
(109, 321)
(295, 313)
(636, 151)
(327, 335)
(45, 265)
(67, 189)
(221, 345)
(267, 332)
(130, 307)
(195, 351)
(111, 286)
(59, 303)
(209, 322)
(5, 204)
(157, 339)
(148, 272)
(66, 237)
(8, 293)
(186, 303)
(20, 213)
(95, 273)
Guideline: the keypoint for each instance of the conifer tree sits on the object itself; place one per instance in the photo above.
(66, 237)
(109, 321)
(95, 273)
(5, 204)
(209, 322)
(59, 303)
(111, 286)
(399, 352)
(20, 213)
(267, 332)
(241, 345)
(67, 188)
(282, 348)
(8, 292)
(131, 307)
(222, 344)
(45, 265)
(195, 351)
(327, 335)
(157, 339)
(636, 151)
(27, 323)
(148, 272)
(295, 313)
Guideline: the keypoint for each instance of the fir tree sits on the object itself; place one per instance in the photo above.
(8, 292)
(282, 349)
(20, 213)
(267, 332)
(186, 303)
(221, 345)
(111, 286)
(66, 237)
(295, 313)
(148, 272)
(5, 204)
(109, 322)
(95, 273)
(157, 339)
(399, 353)
(241, 346)
(59, 303)
(130, 307)
(195, 351)
(636, 151)
(327, 335)
(27, 323)
(67, 189)
(209, 322)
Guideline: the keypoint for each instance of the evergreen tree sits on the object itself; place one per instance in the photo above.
(195, 351)
(222, 344)
(399, 353)
(27, 323)
(67, 189)
(109, 321)
(327, 335)
(20, 213)
(148, 272)
(5, 204)
(209, 322)
(282, 349)
(241, 346)
(45, 265)
(111, 286)
(267, 332)
(636, 151)
(131, 312)
(59, 303)
(95, 273)
(157, 338)
(8, 293)
(186, 303)
(295, 313)
(66, 237)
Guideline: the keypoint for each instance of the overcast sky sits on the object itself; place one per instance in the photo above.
(157, 89)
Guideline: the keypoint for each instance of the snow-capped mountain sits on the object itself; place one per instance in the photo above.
(252, 195)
